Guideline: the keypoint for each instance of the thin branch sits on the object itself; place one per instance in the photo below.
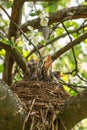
(55, 39)
(76, 66)
(81, 78)
(70, 72)
(71, 86)
(27, 117)
(21, 31)
(68, 46)
(53, 29)
(2, 30)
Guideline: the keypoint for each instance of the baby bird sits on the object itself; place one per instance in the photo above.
(55, 75)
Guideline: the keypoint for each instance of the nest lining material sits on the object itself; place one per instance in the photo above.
(42, 101)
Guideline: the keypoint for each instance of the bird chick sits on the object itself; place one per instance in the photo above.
(55, 75)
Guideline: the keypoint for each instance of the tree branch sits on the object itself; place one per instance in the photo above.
(73, 51)
(68, 46)
(16, 56)
(73, 111)
(16, 17)
(55, 39)
(59, 16)
(13, 114)
(41, 0)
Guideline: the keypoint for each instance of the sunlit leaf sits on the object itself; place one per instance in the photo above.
(25, 53)
(2, 52)
(1, 68)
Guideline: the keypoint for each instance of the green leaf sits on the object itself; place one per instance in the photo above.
(1, 68)
(5, 40)
(20, 49)
(25, 53)
(2, 52)
(33, 14)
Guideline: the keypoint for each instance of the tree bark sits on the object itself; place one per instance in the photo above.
(12, 113)
(73, 111)
(16, 17)
(76, 12)
(69, 46)
(16, 56)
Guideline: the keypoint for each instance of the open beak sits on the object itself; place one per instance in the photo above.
(61, 75)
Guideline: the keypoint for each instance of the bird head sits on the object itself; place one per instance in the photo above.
(58, 74)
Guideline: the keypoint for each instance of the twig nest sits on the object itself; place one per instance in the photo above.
(42, 101)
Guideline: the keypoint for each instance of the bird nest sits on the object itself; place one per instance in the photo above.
(42, 101)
